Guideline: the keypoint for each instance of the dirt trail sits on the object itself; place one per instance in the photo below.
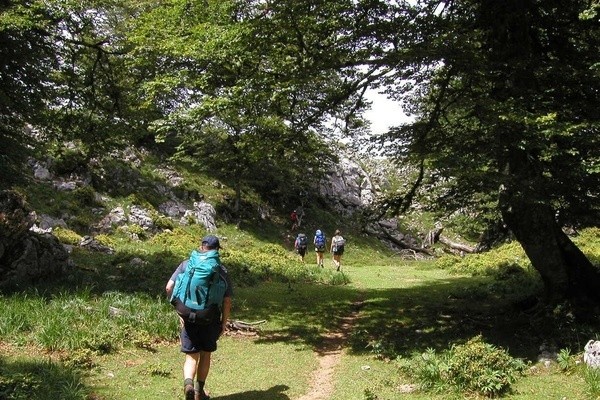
(329, 353)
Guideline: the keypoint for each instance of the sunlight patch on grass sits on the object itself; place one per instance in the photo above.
(240, 367)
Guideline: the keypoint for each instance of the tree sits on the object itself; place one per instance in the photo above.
(26, 59)
(246, 87)
(506, 95)
(62, 73)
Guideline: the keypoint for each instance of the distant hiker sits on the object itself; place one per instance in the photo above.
(294, 219)
(301, 244)
(201, 292)
(320, 243)
(337, 248)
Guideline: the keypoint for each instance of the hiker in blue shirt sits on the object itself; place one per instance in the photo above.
(199, 336)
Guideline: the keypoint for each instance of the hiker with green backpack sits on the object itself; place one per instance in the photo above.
(200, 291)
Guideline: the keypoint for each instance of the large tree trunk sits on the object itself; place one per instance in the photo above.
(524, 202)
(564, 269)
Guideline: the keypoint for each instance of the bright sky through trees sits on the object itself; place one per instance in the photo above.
(384, 112)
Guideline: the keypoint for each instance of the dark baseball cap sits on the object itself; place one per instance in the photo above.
(211, 241)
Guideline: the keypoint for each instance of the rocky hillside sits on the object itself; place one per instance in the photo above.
(72, 202)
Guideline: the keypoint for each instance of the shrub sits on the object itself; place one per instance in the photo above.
(18, 385)
(86, 196)
(67, 236)
(137, 199)
(69, 160)
(480, 367)
(509, 258)
(162, 222)
(504, 259)
(79, 358)
(105, 240)
(134, 230)
(474, 367)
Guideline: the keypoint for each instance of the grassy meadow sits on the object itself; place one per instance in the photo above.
(106, 331)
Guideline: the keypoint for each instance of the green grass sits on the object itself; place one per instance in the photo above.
(62, 339)
(64, 329)
(241, 369)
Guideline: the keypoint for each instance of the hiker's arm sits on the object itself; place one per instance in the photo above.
(171, 283)
(169, 287)
(226, 312)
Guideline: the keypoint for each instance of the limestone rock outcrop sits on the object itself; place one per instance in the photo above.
(26, 256)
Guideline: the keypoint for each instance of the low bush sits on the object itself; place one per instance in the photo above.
(69, 160)
(473, 367)
(67, 236)
(502, 260)
(40, 380)
(274, 263)
(510, 257)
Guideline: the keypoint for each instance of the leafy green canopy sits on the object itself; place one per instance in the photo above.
(506, 96)
(246, 86)
(26, 58)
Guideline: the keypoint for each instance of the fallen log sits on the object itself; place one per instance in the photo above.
(385, 234)
(243, 328)
(456, 246)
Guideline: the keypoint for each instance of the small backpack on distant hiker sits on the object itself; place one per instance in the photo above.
(302, 241)
(338, 244)
(320, 241)
(199, 290)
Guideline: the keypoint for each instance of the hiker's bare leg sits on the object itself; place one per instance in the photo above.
(203, 366)
(189, 365)
(189, 371)
(336, 260)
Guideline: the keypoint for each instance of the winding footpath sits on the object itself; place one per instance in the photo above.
(330, 354)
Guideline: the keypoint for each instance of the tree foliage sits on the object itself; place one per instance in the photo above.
(26, 60)
(505, 96)
(242, 87)
(507, 108)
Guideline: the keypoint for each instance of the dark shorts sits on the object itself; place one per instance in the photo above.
(320, 249)
(195, 338)
(338, 252)
(301, 251)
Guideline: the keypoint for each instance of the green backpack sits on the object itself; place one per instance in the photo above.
(199, 290)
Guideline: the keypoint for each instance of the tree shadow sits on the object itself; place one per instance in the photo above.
(40, 380)
(274, 393)
(404, 321)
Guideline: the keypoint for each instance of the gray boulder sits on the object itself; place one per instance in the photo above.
(26, 257)
(348, 187)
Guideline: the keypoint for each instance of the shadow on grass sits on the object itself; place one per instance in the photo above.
(39, 380)
(274, 393)
(391, 322)
(403, 321)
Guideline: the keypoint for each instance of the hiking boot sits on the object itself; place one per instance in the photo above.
(201, 396)
(188, 390)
